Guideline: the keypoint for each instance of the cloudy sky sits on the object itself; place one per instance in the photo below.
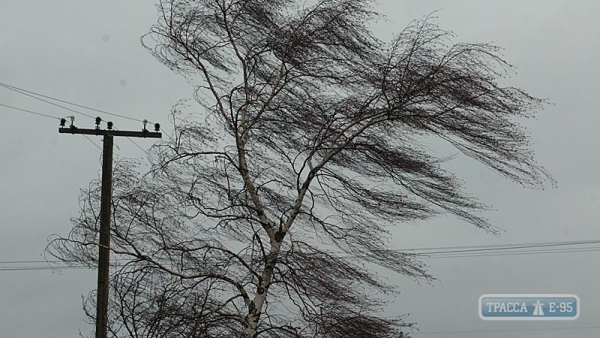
(89, 53)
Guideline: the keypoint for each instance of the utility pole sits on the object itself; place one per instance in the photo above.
(105, 208)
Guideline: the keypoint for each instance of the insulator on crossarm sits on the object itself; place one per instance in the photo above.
(72, 118)
(157, 127)
(109, 125)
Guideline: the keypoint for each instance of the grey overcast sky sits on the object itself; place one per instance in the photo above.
(89, 53)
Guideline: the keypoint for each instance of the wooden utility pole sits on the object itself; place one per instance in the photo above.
(105, 208)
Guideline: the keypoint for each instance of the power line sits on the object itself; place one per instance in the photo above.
(484, 250)
(58, 118)
(509, 330)
(44, 115)
(503, 246)
(132, 141)
(42, 268)
(450, 254)
(137, 145)
(518, 253)
(33, 261)
(497, 248)
(94, 143)
(18, 90)
(32, 93)
(60, 266)
(37, 268)
(24, 92)
(30, 111)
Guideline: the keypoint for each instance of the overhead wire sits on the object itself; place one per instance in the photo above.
(487, 247)
(30, 111)
(45, 115)
(17, 265)
(485, 250)
(517, 253)
(94, 143)
(26, 93)
(509, 251)
(67, 102)
(41, 268)
(492, 250)
(31, 93)
(32, 261)
(137, 145)
(508, 330)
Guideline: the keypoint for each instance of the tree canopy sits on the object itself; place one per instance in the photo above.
(265, 211)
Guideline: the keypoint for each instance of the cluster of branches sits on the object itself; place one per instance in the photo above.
(264, 212)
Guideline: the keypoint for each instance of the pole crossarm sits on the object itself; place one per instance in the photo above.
(102, 132)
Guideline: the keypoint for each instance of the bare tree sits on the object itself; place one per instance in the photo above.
(263, 214)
